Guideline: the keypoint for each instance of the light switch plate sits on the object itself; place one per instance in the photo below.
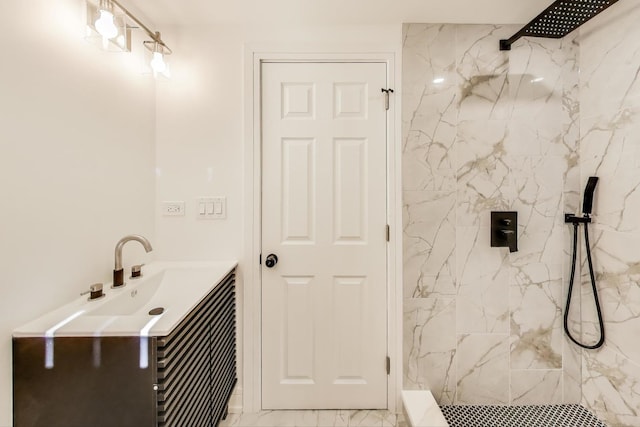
(173, 208)
(211, 207)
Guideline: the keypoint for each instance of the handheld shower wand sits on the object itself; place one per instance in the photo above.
(587, 205)
(587, 202)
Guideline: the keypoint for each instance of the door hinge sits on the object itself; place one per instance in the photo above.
(260, 259)
(388, 232)
(386, 97)
(388, 365)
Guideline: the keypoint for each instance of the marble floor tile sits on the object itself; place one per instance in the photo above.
(311, 418)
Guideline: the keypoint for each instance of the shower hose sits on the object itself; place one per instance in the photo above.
(593, 286)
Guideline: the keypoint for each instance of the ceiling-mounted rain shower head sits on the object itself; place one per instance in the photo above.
(559, 19)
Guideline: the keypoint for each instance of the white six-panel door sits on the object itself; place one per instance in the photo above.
(324, 310)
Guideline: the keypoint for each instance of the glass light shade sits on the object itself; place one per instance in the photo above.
(105, 25)
(157, 63)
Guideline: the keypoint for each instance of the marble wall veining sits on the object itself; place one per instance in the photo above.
(488, 130)
(610, 149)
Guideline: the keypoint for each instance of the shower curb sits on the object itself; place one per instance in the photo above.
(421, 409)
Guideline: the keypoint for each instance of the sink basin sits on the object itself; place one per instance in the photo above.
(177, 288)
(134, 301)
(161, 289)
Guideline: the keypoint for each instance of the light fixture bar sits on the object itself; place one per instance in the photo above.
(155, 36)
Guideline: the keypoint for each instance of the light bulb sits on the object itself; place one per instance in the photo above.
(105, 25)
(157, 63)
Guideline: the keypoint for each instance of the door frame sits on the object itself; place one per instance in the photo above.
(250, 316)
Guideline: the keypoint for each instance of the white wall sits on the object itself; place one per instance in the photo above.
(77, 129)
(200, 129)
(200, 125)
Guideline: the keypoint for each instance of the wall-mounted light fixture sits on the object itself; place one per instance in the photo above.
(158, 51)
(108, 26)
(108, 19)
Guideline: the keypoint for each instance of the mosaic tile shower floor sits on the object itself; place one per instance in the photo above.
(520, 416)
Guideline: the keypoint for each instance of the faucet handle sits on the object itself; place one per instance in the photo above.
(95, 291)
(136, 271)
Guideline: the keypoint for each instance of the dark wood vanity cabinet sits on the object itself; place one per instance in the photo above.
(182, 379)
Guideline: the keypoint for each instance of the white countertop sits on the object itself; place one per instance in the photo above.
(178, 287)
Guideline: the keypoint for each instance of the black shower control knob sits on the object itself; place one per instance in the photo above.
(271, 260)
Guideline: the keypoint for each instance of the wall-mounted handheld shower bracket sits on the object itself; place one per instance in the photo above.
(572, 219)
(587, 205)
(504, 230)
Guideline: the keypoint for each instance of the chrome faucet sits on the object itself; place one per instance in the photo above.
(118, 271)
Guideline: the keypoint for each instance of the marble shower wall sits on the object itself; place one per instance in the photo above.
(610, 149)
(488, 130)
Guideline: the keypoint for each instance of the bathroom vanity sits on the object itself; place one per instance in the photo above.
(111, 363)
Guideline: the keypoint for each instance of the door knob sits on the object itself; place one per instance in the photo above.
(271, 260)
